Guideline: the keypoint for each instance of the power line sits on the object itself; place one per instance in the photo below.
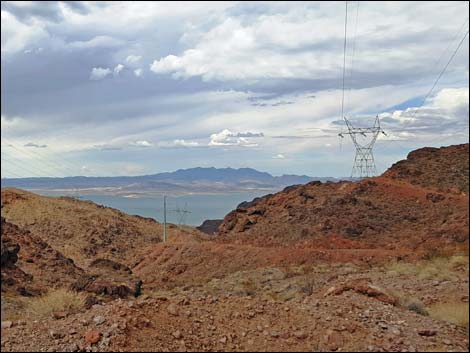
(23, 168)
(9, 173)
(344, 70)
(353, 55)
(344, 57)
(35, 158)
(29, 168)
(60, 167)
(442, 72)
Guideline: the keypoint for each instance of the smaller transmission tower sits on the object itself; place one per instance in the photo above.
(364, 139)
(181, 214)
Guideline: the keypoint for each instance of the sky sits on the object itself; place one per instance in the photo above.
(132, 88)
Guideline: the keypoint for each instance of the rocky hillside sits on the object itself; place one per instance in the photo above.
(43, 266)
(62, 242)
(81, 230)
(410, 206)
(30, 266)
(444, 168)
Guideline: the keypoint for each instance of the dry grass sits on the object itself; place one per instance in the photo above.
(249, 286)
(55, 300)
(12, 307)
(308, 285)
(291, 272)
(458, 261)
(439, 268)
(454, 312)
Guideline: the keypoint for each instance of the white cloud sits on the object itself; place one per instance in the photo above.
(183, 143)
(293, 43)
(445, 112)
(132, 59)
(32, 144)
(138, 72)
(85, 169)
(279, 156)
(99, 73)
(16, 36)
(107, 147)
(133, 169)
(117, 70)
(141, 143)
(397, 136)
(228, 138)
(96, 42)
(249, 134)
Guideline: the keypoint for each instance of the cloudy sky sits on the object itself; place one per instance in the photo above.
(128, 88)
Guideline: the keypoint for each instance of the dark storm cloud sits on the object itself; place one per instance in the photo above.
(35, 145)
(43, 10)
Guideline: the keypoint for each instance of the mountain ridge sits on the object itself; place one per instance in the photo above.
(182, 180)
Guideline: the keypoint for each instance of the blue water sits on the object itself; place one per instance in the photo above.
(202, 207)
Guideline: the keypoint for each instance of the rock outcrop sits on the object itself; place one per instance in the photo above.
(417, 203)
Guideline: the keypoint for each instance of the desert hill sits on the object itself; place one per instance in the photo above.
(443, 168)
(52, 242)
(411, 206)
(81, 230)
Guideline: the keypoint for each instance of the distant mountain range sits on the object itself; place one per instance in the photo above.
(180, 181)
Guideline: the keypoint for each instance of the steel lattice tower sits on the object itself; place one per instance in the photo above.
(364, 164)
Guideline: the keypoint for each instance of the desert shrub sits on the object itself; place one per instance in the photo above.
(249, 286)
(307, 285)
(454, 312)
(430, 254)
(307, 269)
(273, 296)
(410, 303)
(55, 300)
(417, 306)
(290, 272)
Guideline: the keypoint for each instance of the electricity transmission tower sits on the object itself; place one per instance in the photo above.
(164, 218)
(182, 214)
(364, 139)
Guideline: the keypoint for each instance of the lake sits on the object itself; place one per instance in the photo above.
(200, 206)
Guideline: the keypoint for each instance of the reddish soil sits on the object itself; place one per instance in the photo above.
(320, 267)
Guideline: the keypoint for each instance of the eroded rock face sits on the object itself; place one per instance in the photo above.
(13, 279)
(107, 277)
(9, 251)
(32, 263)
(30, 266)
(443, 168)
(210, 226)
(113, 289)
